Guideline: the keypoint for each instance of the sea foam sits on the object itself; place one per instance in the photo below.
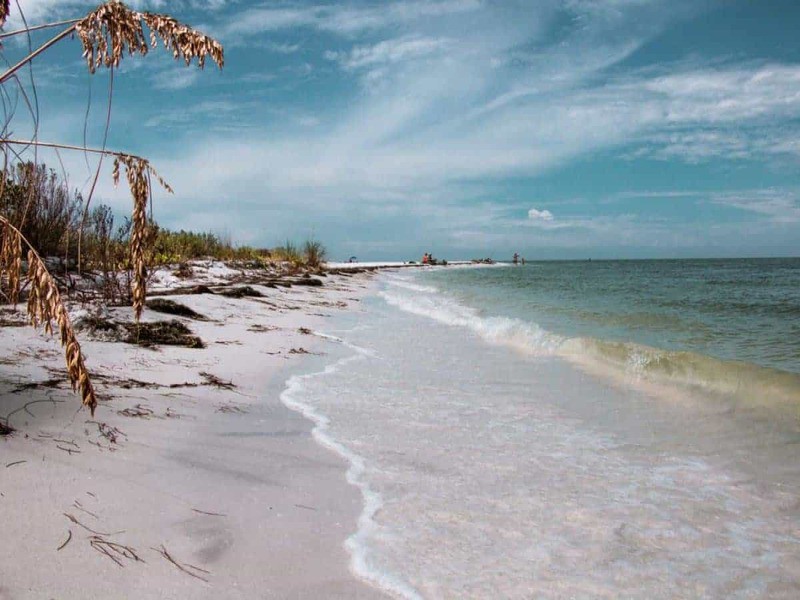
(357, 544)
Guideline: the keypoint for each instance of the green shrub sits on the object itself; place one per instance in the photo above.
(314, 253)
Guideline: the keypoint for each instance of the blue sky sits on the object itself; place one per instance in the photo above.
(557, 129)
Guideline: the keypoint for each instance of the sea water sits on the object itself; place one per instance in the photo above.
(572, 430)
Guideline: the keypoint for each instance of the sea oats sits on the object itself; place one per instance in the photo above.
(113, 29)
(106, 34)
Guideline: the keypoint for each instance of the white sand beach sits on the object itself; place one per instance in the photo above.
(192, 480)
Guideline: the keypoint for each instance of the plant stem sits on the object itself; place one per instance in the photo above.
(36, 53)
(68, 147)
(37, 28)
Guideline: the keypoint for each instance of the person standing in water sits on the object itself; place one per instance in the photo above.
(516, 258)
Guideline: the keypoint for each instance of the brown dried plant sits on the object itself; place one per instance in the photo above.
(10, 261)
(106, 34)
(45, 306)
(4, 5)
(138, 172)
(113, 29)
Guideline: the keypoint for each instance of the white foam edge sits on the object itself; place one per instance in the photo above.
(356, 544)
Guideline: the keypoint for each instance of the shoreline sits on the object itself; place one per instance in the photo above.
(193, 479)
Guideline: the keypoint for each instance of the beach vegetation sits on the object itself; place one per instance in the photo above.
(106, 35)
(289, 252)
(314, 253)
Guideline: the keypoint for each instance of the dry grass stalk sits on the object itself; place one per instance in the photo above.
(106, 34)
(44, 306)
(113, 29)
(190, 570)
(113, 550)
(138, 172)
(10, 260)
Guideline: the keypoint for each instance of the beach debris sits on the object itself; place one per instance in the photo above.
(12, 322)
(171, 307)
(308, 281)
(140, 411)
(190, 570)
(211, 514)
(215, 381)
(89, 529)
(66, 541)
(167, 333)
(230, 408)
(33, 385)
(111, 434)
(299, 351)
(6, 429)
(201, 289)
(101, 328)
(184, 271)
(305, 331)
(16, 462)
(245, 291)
(69, 451)
(114, 550)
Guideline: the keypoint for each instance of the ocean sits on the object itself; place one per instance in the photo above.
(597, 429)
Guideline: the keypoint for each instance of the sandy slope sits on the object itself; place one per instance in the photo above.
(227, 482)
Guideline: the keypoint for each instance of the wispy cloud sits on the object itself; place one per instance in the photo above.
(344, 19)
(778, 206)
(387, 52)
(175, 79)
(42, 11)
(392, 108)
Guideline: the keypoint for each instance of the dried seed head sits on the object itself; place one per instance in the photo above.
(44, 307)
(10, 262)
(4, 8)
(113, 29)
(138, 172)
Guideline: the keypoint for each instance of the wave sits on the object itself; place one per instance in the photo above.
(749, 385)
(293, 398)
(525, 337)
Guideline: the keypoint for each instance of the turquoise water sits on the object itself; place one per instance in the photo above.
(744, 310)
(727, 329)
(570, 430)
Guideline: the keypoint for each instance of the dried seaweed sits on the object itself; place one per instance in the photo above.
(241, 292)
(174, 308)
(170, 333)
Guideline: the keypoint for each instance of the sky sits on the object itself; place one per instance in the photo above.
(557, 129)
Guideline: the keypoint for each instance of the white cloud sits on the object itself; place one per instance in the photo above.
(387, 52)
(344, 19)
(540, 215)
(176, 78)
(453, 104)
(778, 206)
(42, 11)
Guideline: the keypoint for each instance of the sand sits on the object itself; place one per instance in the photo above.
(181, 486)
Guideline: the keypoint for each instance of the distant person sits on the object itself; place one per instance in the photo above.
(523, 260)
(516, 258)
(426, 259)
